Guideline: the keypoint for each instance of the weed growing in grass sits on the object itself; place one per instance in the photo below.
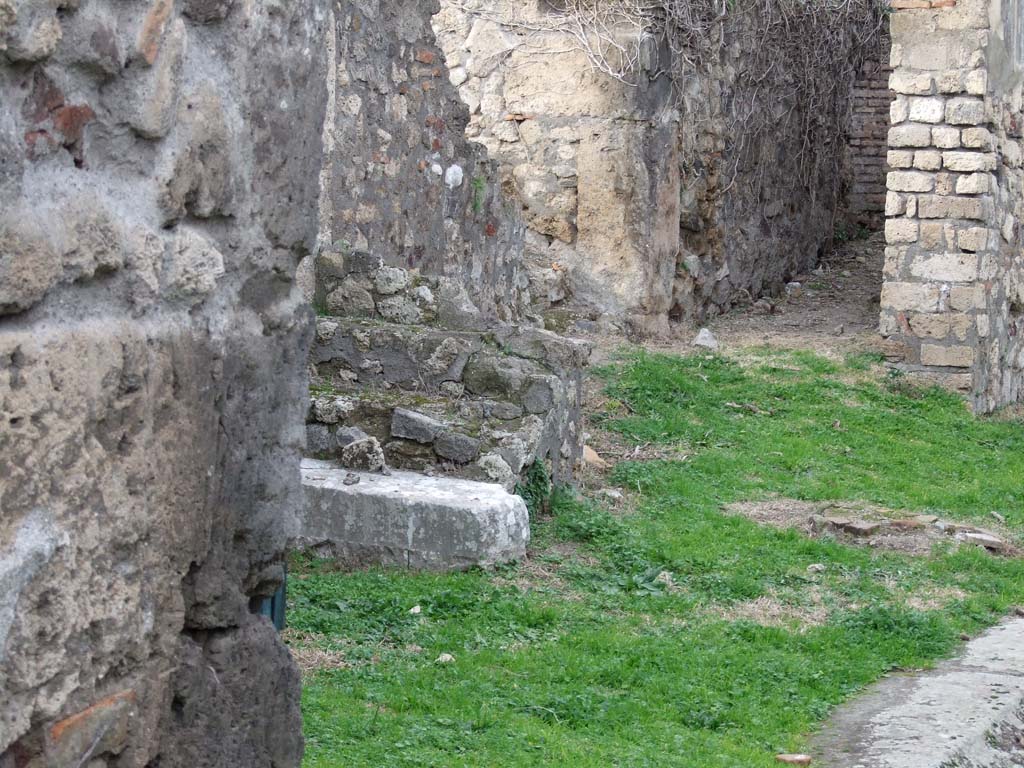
(633, 660)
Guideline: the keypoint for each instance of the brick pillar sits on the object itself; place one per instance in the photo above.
(942, 229)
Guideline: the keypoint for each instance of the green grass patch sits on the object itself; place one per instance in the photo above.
(634, 639)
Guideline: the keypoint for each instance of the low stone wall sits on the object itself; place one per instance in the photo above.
(154, 167)
(952, 295)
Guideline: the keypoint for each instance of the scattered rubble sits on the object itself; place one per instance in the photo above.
(871, 526)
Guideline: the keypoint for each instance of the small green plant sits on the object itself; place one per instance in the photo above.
(535, 489)
(479, 192)
(844, 235)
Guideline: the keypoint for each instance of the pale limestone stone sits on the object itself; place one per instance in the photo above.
(895, 204)
(965, 15)
(194, 267)
(944, 183)
(946, 137)
(927, 110)
(973, 239)
(910, 181)
(896, 55)
(977, 138)
(976, 82)
(936, 235)
(910, 82)
(939, 207)
(900, 158)
(928, 160)
(950, 81)
(939, 326)
(957, 356)
(895, 255)
(965, 111)
(899, 110)
(983, 326)
(928, 53)
(1009, 229)
(973, 184)
(901, 230)
(952, 267)
(918, 297)
(968, 162)
(910, 135)
(966, 298)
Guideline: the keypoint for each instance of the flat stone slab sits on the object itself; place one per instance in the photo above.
(966, 713)
(409, 520)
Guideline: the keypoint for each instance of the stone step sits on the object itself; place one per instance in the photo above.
(409, 520)
(469, 437)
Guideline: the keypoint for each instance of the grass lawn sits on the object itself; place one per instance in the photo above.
(665, 632)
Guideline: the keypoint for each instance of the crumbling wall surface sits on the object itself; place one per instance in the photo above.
(951, 301)
(1001, 379)
(155, 161)
(590, 159)
(406, 188)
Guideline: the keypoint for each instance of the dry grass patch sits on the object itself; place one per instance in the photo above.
(310, 655)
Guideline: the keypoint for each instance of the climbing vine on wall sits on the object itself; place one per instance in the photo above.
(786, 66)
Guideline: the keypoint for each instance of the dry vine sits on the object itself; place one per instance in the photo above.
(792, 62)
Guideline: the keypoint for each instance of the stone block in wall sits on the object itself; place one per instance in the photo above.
(900, 158)
(901, 230)
(910, 135)
(953, 267)
(910, 181)
(944, 207)
(917, 297)
(940, 326)
(926, 110)
(911, 83)
(978, 138)
(927, 160)
(946, 137)
(965, 111)
(953, 356)
(973, 239)
(974, 184)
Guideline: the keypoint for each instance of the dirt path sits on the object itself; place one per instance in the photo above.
(834, 312)
(835, 309)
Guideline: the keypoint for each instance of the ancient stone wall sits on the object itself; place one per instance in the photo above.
(952, 295)
(642, 201)
(155, 167)
(868, 146)
(590, 159)
(426, 356)
(404, 186)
